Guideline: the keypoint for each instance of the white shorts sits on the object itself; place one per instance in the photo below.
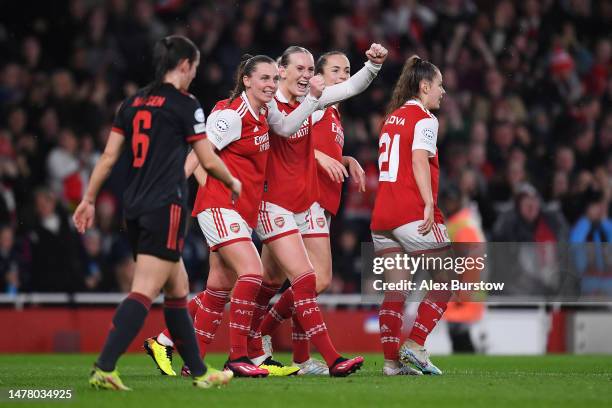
(276, 222)
(222, 226)
(408, 239)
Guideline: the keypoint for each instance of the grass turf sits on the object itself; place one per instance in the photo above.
(469, 381)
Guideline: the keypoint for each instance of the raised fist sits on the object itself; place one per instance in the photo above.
(377, 54)
(317, 85)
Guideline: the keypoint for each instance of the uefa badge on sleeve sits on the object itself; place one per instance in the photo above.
(199, 115)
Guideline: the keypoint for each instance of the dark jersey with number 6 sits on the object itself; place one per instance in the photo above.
(158, 129)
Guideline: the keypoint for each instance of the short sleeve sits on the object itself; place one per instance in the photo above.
(119, 121)
(193, 121)
(224, 126)
(426, 135)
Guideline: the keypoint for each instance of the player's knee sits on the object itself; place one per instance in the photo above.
(323, 283)
(273, 280)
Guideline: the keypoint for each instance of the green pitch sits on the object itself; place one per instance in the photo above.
(469, 381)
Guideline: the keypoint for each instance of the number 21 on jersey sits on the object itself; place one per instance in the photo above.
(388, 157)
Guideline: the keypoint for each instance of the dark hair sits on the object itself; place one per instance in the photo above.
(322, 61)
(167, 54)
(248, 65)
(294, 49)
(407, 86)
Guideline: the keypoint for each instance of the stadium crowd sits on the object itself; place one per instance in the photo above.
(525, 134)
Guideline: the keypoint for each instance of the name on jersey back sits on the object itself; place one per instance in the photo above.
(395, 120)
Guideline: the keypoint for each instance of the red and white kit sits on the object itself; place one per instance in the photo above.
(399, 207)
(242, 137)
(291, 189)
(328, 135)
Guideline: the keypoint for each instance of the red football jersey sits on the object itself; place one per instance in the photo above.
(291, 175)
(245, 153)
(398, 200)
(328, 136)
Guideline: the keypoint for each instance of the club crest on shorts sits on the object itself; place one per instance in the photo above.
(280, 222)
(321, 222)
(235, 227)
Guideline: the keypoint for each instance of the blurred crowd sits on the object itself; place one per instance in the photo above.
(525, 136)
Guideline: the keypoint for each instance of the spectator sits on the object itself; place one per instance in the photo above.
(56, 265)
(530, 263)
(529, 95)
(591, 256)
(528, 221)
(64, 167)
(10, 279)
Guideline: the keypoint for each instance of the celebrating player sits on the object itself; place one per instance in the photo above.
(406, 217)
(159, 122)
(332, 168)
(290, 212)
(238, 127)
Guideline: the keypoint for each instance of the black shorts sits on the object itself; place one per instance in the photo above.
(159, 233)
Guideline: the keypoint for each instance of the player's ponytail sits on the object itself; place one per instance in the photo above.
(167, 54)
(322, 61)
(248, 65)
(408, 84)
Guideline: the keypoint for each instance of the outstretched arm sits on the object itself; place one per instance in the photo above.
(286, 125)
(358, 82)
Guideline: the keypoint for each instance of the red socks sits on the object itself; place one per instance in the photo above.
(208, 315)
(430, 312)
(206, 311)
(390, 323)
(301, 345)
(267, 292)
(309, 315)
(278, 313)
(241, 313)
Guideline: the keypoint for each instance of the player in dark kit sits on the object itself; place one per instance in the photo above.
(158, 123)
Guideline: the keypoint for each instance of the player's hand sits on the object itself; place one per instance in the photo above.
(336, 171)
(317, 85)
(377, 54)
(428, 220)
(356, 172)
(83, 217)
(236, 188)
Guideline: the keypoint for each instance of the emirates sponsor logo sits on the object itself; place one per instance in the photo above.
(339, 132)
(280, 222)
(304, 130)
(261, 139)
(321, 222)
(235, 227)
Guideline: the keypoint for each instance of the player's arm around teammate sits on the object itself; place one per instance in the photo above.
(291, 212)
(239, 130)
